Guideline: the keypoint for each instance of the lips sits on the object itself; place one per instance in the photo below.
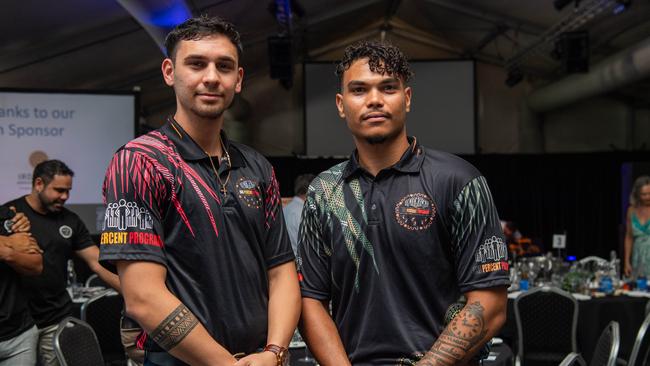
(210, 96)
(375, 116)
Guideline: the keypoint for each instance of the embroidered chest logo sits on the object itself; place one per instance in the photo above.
(248, 192)
(492, 255)
(415, 211)
(123, 215)
(65, 231)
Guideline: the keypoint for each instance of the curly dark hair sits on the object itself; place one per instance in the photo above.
(383, 58)
(200, 27)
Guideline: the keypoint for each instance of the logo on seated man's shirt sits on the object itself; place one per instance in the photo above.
(65, 231)
(415, 211)
(123, 215)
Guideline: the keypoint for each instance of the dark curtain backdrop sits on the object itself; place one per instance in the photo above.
(579, 194)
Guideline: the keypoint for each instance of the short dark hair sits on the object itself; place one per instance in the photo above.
(200, 27)
(383, 58)
(301, 184)
(48, 169)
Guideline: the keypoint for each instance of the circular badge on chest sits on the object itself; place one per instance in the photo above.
(248, 192)
(65, 231)
(415, 211)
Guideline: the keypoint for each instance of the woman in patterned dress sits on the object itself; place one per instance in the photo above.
(637, 234)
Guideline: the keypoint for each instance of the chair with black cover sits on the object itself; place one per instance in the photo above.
(547, 321)
(573, 359)
(75, 344)
(103, 313)
(607, 347)
(641, 348)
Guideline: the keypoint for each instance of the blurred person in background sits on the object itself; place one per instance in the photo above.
(637, 232)
(19, 255)
(60, 233)
(293, 209)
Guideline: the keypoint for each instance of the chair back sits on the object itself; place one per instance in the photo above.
(573, 359)
(639, 355)
(75, 344)
(95, 281)
(607, 347)
(547, 323)
(103, 313)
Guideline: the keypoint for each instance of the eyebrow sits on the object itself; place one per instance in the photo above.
(385, 81)
(202, 57)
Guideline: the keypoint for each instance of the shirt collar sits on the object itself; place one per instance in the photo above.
(190, 150)
(410, 162)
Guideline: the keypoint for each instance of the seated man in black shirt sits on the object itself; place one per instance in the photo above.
(59, 233)
(394, 235)
(19, 255)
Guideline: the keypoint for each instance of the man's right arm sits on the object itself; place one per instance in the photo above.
(28, 263)
(165, 319)
(319, 331)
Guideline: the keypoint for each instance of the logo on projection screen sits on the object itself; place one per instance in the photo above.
(24, 179)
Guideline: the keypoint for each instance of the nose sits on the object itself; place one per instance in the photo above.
(374, 99)
(211, 75)
(65, 196)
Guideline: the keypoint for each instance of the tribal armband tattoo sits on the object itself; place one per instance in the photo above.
(176, 326)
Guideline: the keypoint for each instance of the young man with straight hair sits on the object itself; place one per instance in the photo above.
(194, 221)
(393, 236)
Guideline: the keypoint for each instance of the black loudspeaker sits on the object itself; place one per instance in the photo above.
(280, 58)
(573, 49)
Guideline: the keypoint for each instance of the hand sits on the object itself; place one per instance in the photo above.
(21, 222)
(265, 358)
(25, 243)
(627, 269)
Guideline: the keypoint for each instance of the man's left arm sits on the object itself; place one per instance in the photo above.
(480, 319)
(90, 255)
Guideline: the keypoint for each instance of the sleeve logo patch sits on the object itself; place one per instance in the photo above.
(415, 211)
(492, 255)
(123, 215)
(134, 238)
(65, 231)
(248, 192)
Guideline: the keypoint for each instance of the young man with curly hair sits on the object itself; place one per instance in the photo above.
(393, 236)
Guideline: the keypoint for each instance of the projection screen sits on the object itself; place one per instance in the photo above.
(81, 129)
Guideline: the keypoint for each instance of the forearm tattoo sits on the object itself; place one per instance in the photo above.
(176, 326)
(463, 333)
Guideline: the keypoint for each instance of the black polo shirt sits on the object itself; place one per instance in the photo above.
(393, 252)
(164, 205)
(60, 235)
